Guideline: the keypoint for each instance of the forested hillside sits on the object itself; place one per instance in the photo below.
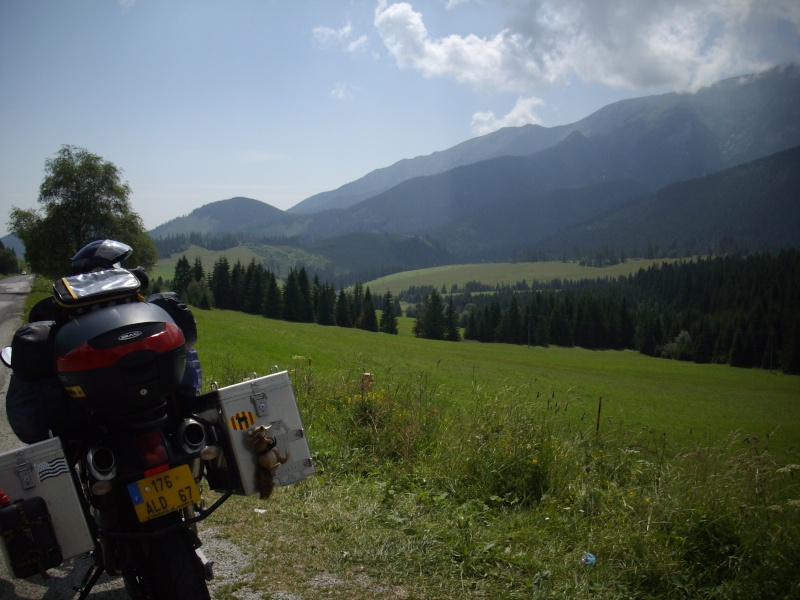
(642, 177)
(733, 310)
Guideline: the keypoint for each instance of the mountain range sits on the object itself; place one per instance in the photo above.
(689, 172)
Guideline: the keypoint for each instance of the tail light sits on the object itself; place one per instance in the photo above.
(153, 450)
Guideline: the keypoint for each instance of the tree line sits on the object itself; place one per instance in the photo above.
(254, 289)
(8, 260)
(180, 242)
(733, 310)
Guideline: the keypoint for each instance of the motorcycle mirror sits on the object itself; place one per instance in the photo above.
(5, 355)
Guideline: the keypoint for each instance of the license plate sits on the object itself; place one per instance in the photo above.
(163, 493)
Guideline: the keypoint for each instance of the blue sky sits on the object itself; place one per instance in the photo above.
(198, 101)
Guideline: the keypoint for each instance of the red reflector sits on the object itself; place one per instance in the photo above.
(157, 470)
(85, 358)
(153, 451)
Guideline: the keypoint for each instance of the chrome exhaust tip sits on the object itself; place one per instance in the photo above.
(102, 464)
(191, 436)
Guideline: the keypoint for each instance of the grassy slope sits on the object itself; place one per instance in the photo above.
(662, 511)
(678, 514)
(504, 273)
(678, 398)
(488, 273)
(280, 256)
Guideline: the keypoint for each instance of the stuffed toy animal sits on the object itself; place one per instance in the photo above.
(269, 458)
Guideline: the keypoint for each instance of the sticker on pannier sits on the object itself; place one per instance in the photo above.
(102, 288)
(29, 537)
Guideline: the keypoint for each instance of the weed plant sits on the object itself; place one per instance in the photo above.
(416, 497)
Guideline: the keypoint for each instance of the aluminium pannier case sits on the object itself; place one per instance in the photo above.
(38, 482)
(270, 401)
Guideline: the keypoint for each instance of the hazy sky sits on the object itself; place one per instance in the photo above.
(198, 101)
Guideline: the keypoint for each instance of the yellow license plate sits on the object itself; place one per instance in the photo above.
(163, 493)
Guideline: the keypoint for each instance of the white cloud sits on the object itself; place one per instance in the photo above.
(358, 44)
(523, 113)
(492, 63)
(343, 91)
(682, 44)
(327, 35)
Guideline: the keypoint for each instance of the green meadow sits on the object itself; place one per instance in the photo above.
(504, 274)
(683, 400)
(448, 275)
(483, 471)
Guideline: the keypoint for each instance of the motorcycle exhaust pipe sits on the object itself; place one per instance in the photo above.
(192, 436)
(102, 468)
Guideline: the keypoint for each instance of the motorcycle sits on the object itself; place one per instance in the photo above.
(138, 443)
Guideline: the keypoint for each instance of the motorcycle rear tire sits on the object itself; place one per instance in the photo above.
(169, 569)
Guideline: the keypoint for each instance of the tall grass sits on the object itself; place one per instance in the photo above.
(479, 471)
(419, 497)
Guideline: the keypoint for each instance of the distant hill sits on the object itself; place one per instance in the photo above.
(369, 255)
(233, 215)
(509, 141)
(755, 206)
(13, 242)
(529, 190)
(735, 121)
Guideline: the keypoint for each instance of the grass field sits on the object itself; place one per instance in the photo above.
(681, 399)
(503, 273)
(478, 471)
(487, 273)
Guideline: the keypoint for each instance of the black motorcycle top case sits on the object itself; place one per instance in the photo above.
(120, 359)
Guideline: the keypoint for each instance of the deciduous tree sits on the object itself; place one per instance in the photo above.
(83, 199)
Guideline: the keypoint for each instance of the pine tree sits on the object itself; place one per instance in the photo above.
(357, 300)
(326, 309)
(197, 270)
(343, 318)
(451, 323)
(316, 292)
(471, 330)
(367, 319)
(429, 323)
(221, 283)
(183, 276)
(237, 286)
(254, 288)
(293, 309)
(273, 301)
(388, 322)
(306, 304)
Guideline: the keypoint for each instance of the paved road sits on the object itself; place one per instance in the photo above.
(63, 580)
